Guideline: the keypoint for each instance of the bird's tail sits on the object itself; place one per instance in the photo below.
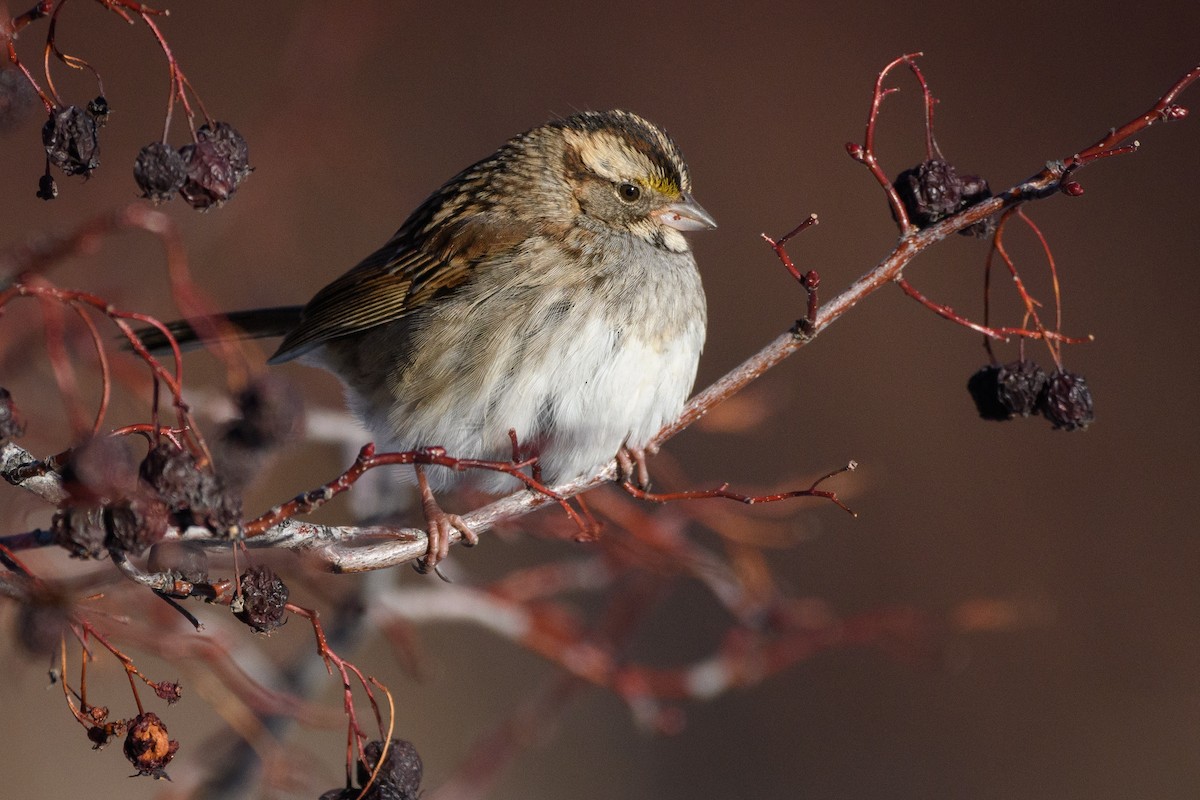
(190, 334)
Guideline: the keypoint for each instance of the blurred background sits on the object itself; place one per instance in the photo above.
(355, 112)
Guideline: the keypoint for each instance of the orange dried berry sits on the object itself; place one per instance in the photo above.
(148, 747)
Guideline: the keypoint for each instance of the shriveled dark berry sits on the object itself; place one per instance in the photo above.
(1067, 401)
(99, 735)
(400, 777)
(148, 746)
(1019, 387)
(170, 691)
(99, 110)
(211, 179)
(79, 529)
(47, 188)
(930, 191)
(11, 424)
(185, 560)
(231, 145)
(159, 171)
(137, 523)
(340, 794)
(195, 496)
(263, 598)
(173, 473)
(71, 139)
(984, 387)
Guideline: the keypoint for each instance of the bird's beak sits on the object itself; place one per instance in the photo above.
(687, 215)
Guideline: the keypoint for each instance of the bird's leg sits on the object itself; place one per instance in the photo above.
(632, 464)
(439, 525)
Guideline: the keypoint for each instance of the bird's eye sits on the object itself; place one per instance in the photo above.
(629, 192)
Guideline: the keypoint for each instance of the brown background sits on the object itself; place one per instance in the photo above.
(355, 111)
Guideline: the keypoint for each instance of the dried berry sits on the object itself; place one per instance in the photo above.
(159, 171)
(930, 191)
(933, 190)
(231, 145)
(1067, 401)
(99, 736)
(340, 794)
(211, 178)
(194, 495)
(99, 110)
(264, 595)
(148, 747)
(1019, 387)
(79, 530)
(11, 424)
(400, 777)
(137, 523)
(184, 560)
(170, 691)
(984, 387)
(47, 188)
(71, 138)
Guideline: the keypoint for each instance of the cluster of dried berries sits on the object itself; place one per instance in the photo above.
(398, 779)
(261, 602)
(205, 173)
(102, 730)
(105, 506)
(1021, 388)
(113, 504)
(933, 190)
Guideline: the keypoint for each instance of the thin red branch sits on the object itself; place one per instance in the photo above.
(865, 153)
(1001, 334)
(367, 460)
(723, 492)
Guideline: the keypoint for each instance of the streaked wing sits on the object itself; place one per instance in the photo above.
(394, 281)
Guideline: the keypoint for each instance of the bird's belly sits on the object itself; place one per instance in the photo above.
(574, 392)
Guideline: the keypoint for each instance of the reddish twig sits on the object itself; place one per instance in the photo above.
(865, 153)
(333, 661)
(367, 460)
(723, 492)
(810, 281)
